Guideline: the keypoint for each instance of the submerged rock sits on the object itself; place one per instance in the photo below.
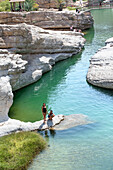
(72, 121)
(100, 72)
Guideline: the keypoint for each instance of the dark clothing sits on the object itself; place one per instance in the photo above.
(51, 114)
(44, 110)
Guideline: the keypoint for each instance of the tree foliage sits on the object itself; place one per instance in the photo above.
(31, 5)
(5, 6)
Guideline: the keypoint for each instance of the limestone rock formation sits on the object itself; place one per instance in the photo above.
(49, 19)
(58, 122)
(100, 72)
(6, 98)
(12, 125)
(29, 51)
(26, 52)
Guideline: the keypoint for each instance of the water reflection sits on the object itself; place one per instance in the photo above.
(48, 133)
(108, 92)
(28, 101)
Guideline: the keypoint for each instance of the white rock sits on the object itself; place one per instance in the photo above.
(6, 98)
(12, 125)
(100, 71)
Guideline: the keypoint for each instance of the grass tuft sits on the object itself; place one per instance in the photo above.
(18, 149)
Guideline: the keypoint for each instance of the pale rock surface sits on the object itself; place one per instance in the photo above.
(100, 71)
(49, 19)
(12, 125)
(6, 98)
(72, 121)
(26, 52)
(58, 122)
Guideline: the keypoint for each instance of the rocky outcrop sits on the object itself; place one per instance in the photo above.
(100, 72)
(58, 122)
(12, 125)
(6, 98)
(49, 19)
(26, 52)
(29, 51)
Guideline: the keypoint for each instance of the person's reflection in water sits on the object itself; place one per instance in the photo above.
(52, 132)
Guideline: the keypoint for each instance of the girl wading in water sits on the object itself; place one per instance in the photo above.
(44, 111)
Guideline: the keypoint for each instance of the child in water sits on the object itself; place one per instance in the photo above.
(51, 115)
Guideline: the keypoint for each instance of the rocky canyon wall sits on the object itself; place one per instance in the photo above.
(49, 19)
(26, 52)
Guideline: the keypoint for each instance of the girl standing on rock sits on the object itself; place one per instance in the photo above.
(44, 111)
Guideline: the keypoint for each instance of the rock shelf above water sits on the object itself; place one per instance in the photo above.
(58, 122)
(100, 71)
(72, 121)
(13, 125)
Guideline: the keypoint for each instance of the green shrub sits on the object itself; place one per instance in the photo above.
(31, 5)
(5, 6)
(18, 149)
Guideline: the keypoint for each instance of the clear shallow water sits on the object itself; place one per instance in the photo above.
(66, 91)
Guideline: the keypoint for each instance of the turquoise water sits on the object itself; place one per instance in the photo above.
(66, 91)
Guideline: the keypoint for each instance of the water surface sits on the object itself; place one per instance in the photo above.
(66, 91)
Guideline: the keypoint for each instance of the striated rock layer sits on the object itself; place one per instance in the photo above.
(26, 52)
(49, 19)
(100, 72)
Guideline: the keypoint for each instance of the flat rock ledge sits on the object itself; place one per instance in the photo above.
(100, 71)
(13, 125)
(59, 122)
(72, 121)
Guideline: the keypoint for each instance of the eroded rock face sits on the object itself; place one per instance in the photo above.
(26, 52)
(100, 72)
(6, 98)
(49, 19)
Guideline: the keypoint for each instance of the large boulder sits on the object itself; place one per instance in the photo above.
(6, 98)
(100, 71)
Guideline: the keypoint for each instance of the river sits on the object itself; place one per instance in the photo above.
(66, 91)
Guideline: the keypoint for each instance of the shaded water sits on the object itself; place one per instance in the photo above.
(66, 91)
